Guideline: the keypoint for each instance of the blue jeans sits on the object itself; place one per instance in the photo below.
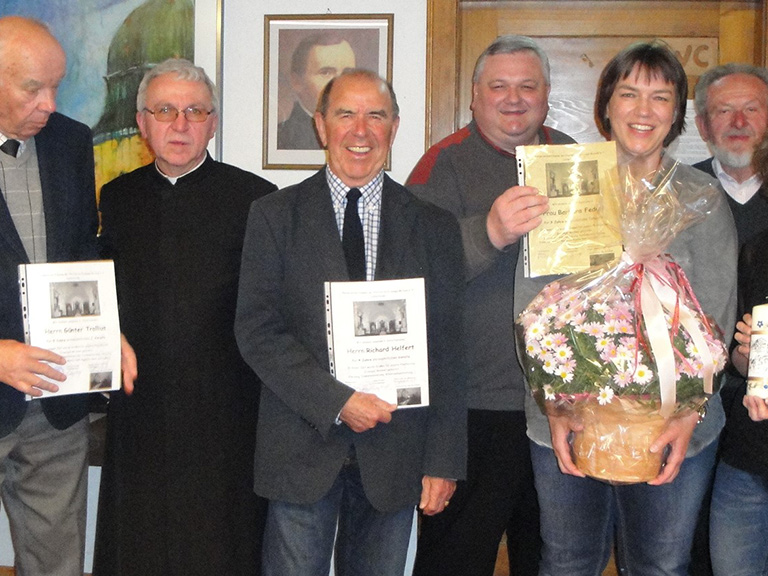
(299, 538)
(654, 525)
(738, 527)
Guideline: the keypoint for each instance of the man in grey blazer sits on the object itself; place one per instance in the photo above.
(325, 452)
(47, 214)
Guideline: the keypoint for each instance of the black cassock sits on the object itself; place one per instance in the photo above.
(177, 483)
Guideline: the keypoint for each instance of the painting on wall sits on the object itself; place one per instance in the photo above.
(301, 54)
(110, 44)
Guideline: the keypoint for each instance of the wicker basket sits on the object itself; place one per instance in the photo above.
(614, 444)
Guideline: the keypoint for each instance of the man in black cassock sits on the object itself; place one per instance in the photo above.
(177, 483)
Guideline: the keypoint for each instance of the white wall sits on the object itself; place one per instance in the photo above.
(243, 72)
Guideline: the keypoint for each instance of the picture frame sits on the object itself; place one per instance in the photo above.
(323, 45)
(208, 55)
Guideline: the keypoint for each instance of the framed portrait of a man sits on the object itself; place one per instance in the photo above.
(301, 54)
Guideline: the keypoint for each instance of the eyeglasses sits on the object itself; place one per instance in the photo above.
(169, 114)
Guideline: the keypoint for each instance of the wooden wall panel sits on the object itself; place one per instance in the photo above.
(762, 44)
(442, 69)
(740, 33)
(621, 18)
(704, 33)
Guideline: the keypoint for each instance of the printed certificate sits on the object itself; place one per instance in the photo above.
(577, 230)
(377, 338)
(71, 308)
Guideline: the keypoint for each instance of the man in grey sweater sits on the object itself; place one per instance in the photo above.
(473, 173)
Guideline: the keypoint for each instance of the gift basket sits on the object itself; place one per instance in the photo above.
(625, 346)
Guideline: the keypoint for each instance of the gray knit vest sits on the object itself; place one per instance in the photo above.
(23, 194)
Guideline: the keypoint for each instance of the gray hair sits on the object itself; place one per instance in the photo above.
(183, 70)
(700, 93)
(511, 44)
(384, 86)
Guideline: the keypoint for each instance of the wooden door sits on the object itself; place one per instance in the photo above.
(580, 37)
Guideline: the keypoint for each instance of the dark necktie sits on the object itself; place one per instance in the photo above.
(352, 237)
(10, 147)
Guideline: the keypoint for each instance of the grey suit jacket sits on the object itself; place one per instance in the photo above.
(291, 248)
(65, 159)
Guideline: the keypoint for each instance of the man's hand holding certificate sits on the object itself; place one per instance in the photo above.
(377, 344)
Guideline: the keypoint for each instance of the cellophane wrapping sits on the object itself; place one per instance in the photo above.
(625, 346)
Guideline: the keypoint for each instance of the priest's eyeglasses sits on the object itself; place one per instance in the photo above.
(169, 114)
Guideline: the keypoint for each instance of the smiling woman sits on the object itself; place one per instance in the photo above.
(642, 109)
(640, 105)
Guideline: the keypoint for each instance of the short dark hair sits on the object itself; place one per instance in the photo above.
(325, 95)
(301, 53)
(657, 60)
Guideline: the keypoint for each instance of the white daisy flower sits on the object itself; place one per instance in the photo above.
(643, 374)
(535, 331)
(562, 353)
(605, 395)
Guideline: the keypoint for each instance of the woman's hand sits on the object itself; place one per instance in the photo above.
(677, 434)
(560, 427)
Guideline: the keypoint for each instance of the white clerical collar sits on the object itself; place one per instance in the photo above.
(741, 192)
(173, 179)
